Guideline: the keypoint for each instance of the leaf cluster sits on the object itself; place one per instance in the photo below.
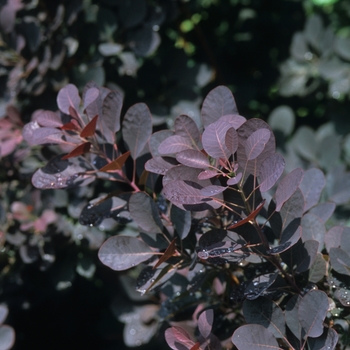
(233, 231)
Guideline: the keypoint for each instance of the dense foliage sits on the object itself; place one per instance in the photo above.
(176, 220)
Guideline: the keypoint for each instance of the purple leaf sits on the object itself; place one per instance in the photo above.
(248, 128)
(313, 229)
(90, 96)
(328, 340)
(182, 172)
(312, 311)
(333, 237)
(234, 180)
(292, 208)
(212, 190)
(156, 139)
(137, 128)
(58, 173)
(270, 171)
(160, 165)
(111, 108)
(49, 119)
(323, 210)
(180, 193)
(174, 144)
(205, 322)
(181, 220)
(231, 140)
(290, 236)
(68, 97)
(213, 140)
(217, 103)
(36, 135)
(340, 261)
(254, 336)
(186, 127)
(312, 185)
(265, 312)
(178, 339)
(123, 252)
(287, 187)
(234, 120)
(256, 142)
(145, 213)
(193, 158)
(207, 174)
(318, 269)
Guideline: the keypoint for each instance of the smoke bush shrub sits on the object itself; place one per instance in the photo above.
(226, 242)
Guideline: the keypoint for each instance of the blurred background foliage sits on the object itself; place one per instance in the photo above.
(286, 61)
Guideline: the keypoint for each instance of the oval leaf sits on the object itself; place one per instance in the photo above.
(205, 322)
(256, 142)
(174, 144)
(145, 213)
(123, 252)
(217, 103)
(312, 311)
(137, 128)
(68, 97)
(270, 171)
(193, 158)
(254, 336)
(231, 140)
(287, 187)
(186, 127)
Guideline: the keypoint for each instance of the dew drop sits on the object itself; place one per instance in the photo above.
(132, 331)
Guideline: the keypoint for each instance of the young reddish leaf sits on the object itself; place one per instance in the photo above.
(116, 164)
(256, 142)
(89, 129)
(49, 119)
(207, 174)
(193, 158)
(68, 97)
(270, 171)
(250, 217)
(174, 144)
(312, 185)
(205, 322)
(287, 187)
(186, 127)
(123, 252)
(71, 126)
(254, 336)
(78, 151)
(73, 113)
(217, 103)
(176, 337)
(137, 128)
(213, 140)
(231, 140)
(169, 252)
(196, 346)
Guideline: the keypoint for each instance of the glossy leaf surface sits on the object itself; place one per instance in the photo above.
(123, 252)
